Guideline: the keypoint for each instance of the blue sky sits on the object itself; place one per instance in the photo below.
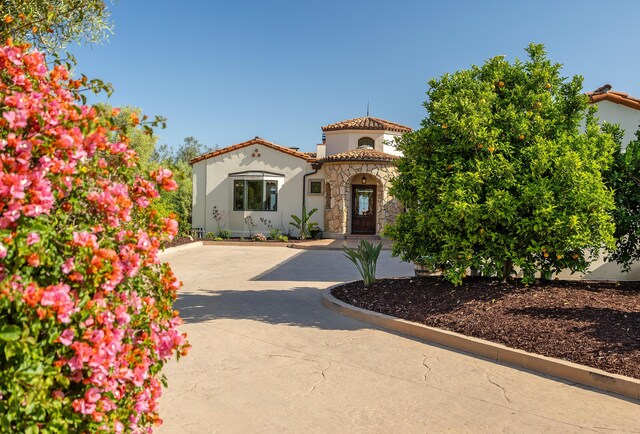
(225, 72)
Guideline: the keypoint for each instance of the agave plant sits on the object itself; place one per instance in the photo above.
(365, 258)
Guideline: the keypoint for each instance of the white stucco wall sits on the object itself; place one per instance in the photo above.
(389, 140)
(627, 117)
(347, 140)
(219, 188)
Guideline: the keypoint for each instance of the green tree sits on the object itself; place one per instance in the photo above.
(502, 173)
(624, 178)
(51, 25)
(178, 201)
(128, 119)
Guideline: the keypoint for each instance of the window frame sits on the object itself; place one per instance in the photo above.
(244, 182)
(315, 180)
(372, 142)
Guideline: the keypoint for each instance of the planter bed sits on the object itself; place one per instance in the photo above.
(252, 241)
(591, 323)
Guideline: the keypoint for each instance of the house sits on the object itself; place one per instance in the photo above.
(617, 108)
(260, 183)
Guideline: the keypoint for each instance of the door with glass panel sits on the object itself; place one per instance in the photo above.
(363, 220)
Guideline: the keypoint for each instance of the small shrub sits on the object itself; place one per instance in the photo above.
(274, 233)
(248, 220)
(283, 238)
(365, 258)
(220, 217)
(260, 237)
(210, 235)
(218, 239)
(224, 234)
(303, 223)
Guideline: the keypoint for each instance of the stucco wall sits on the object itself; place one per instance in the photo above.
(346, 140)
(389, 141)
(219, 188)
(626, 117)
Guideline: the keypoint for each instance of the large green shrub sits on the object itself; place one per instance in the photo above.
(624, 178)
(503, 174)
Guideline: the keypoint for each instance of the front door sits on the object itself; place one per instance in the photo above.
(364, 209)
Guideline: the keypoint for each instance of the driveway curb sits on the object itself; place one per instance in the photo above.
(618, 384)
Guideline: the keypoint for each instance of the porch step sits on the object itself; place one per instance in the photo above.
(363, 237)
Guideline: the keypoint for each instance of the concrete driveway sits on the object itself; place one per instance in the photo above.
(268, 357)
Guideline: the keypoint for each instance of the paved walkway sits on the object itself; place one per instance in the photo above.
(268, 357)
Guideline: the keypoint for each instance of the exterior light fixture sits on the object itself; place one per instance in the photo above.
(364, 179)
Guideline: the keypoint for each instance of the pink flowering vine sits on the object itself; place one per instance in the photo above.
(86, 305)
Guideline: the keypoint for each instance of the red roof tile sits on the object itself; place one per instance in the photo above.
(605, 93)
(255, 141)
(360, 154)
(367, 123)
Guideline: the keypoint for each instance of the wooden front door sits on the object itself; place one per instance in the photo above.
(363, 205)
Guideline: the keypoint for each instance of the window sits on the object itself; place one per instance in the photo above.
(366, 142)
(255, 195)
(315, 186)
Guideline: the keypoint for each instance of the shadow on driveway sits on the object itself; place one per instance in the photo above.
(300, 306)
(329, 266)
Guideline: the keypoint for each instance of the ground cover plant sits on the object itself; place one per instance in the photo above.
(502, 174)
(86, 307)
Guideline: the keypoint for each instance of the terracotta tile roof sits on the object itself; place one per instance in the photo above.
(367, 123)
(360, 154)
(255, 141)
(605, 93)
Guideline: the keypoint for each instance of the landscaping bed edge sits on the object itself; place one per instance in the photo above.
(614, 383)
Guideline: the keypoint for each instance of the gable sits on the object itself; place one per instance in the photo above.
(255, 141)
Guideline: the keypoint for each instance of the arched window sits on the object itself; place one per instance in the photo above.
(366, 142)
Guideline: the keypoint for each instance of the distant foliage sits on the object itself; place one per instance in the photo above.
(502, 174)
(179, 201)
(625, 181)
(52, 24)
(86, 307)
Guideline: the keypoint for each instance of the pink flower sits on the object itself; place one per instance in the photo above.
(92, 395)
(3, 251)
(68, 266)
(81, 406)
(33, 238)
(66, 337)
(85, 239)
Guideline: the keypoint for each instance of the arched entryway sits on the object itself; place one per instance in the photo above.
(364, 204)
(344, 175)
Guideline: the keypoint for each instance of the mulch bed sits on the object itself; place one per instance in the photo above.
(179, 241)
(592, 323)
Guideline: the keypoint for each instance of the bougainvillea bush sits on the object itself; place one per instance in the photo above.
(86, 317)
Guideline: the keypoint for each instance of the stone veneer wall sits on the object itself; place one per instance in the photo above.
(340, 176)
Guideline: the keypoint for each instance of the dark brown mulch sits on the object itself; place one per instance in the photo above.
(178, 241)
(592, 323)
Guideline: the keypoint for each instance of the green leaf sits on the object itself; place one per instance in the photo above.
(9, 332)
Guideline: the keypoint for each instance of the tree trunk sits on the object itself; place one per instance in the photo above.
(506, 270)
